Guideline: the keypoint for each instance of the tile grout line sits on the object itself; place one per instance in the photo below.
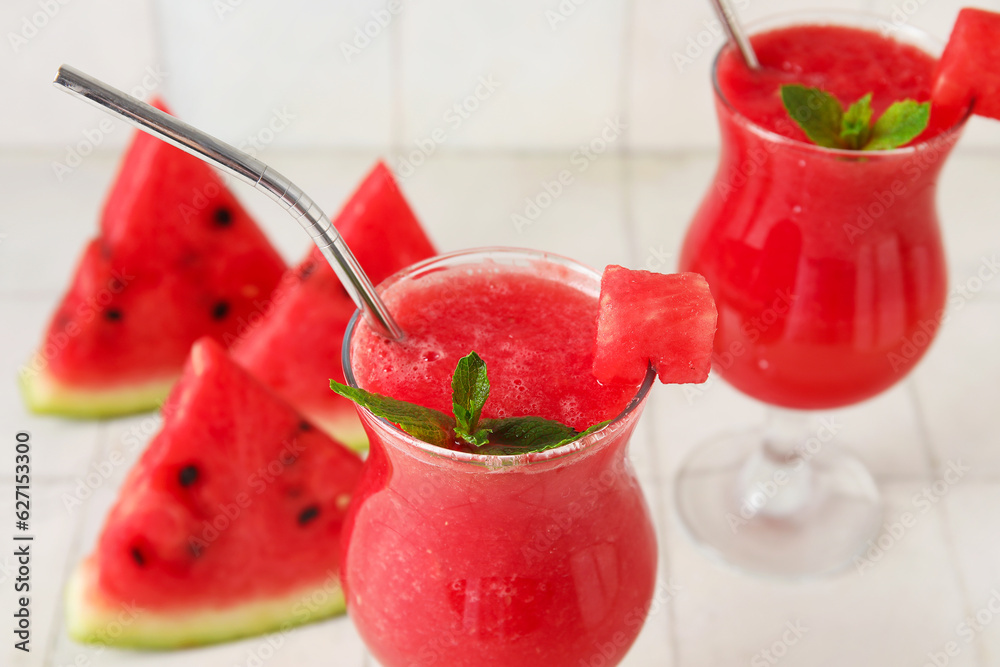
(625, 153)
(27, 294)
(156, 23)
(903, 479)
(661, 487)
(625, 73)
(58, 622)
(658, 483)
(395, 84)
(11, 153)
(946, 527)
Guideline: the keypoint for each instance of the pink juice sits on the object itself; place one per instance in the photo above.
(826, 266)
(460, 559)
(535, 334)
(845, 61)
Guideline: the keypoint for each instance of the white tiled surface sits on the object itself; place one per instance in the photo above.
(106, 36)
(631, 210)
(546, 86)
(385, 74)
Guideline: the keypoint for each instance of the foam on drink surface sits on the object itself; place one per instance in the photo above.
(844, 61)
(535, 333)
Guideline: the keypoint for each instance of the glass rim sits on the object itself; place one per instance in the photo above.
(493, 460)
(830, 16)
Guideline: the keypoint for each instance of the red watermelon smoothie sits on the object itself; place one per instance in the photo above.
(464, 559)
(826, 265)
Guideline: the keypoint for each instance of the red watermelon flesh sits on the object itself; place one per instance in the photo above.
(667, 320)
(968, 71)
(177, 258)
(229, 524)
(296, 348)
(380, 227)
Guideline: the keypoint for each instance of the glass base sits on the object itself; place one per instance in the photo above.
(793, 517)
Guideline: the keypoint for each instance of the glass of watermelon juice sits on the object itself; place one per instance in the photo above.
(829, 276)
(459, 558)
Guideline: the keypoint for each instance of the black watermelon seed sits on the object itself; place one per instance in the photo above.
(188, 475)
(307, 270)
(194, 548)
(223, 217)
(305, 426)
(137, 556)
(112, 314)
(308, 514)
(220, 310)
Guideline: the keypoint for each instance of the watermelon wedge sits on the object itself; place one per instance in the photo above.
(296, 348)
(667, 320)
(229, 525)
(177, 258)
(967, 71)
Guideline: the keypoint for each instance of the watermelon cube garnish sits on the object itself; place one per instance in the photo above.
(667, 320)
(969, 69)
(228, 526)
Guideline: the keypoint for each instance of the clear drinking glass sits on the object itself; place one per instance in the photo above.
(461, 559)
(829, 276)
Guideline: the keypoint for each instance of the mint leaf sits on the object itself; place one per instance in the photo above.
(899, 125)
(425, 424)
(529, 433)
(534, 434)
(824, 121)
(855, 128)
(818, 113)
(470, 387)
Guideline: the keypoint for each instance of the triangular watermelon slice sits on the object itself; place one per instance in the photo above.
(667, 320)
(296, 349)
(229, 525)
(177, 258)
(968, 71)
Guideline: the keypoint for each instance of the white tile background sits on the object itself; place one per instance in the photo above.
(556, 88)
(562, 67)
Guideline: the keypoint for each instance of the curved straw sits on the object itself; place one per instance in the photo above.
(736, 33)
(248, 169)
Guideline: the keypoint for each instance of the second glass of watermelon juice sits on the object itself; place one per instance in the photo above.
(459, 558)
(829, 276)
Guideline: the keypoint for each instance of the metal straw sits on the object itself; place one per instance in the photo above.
(248, 169)
(736, 33)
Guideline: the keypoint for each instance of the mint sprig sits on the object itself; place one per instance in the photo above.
(422, 423)
(535, 433)
(856, 125)
(900, 124)
(827, 124)
(818, 113)
(470, 388)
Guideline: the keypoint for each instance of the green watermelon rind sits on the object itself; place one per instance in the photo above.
(344, 427)
(91, 619)
(44, 394)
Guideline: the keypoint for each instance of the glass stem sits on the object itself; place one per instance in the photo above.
(784, 432)
(777, 482)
